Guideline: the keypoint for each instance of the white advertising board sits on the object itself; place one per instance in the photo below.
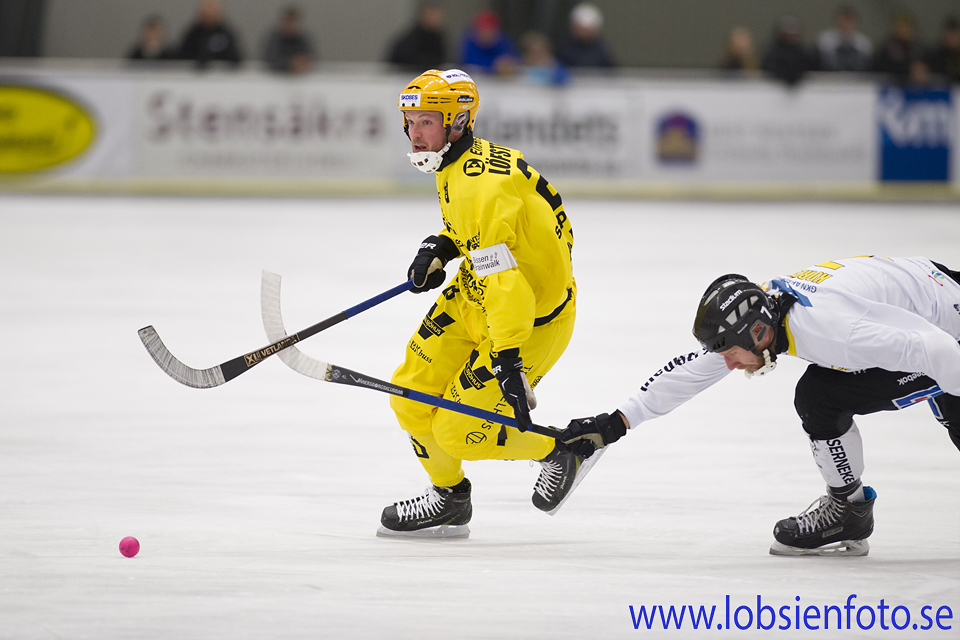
(266, 127)
(755, 131)
(575, 132)
(187, 130)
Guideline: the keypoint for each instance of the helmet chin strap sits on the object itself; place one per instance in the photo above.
(769, 361)
(768, 366)
(428, 161)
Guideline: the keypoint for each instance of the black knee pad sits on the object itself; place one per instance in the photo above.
(822, 414)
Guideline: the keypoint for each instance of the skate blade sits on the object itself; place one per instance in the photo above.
(432, 533)
(582, 472)
(851, 548)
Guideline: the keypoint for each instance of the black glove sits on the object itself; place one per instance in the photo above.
(508, 367)
(585, 435)
(427, 268)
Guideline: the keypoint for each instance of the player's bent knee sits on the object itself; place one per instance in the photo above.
(414, 417)
(820, 416)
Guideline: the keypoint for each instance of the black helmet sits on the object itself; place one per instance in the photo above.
(734, 312)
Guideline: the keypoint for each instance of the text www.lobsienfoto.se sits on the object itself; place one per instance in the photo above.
(852, 615)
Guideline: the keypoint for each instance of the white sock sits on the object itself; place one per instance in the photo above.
(840, 459)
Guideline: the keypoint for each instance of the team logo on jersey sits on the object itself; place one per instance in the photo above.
(434, 326)
(678, 139)
(937, 277)
(475, 437)
(475, 378)
(957, 307)
(473, 167)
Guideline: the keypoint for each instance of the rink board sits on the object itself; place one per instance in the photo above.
(339, 133)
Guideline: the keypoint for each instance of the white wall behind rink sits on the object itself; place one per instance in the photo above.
(189, 130)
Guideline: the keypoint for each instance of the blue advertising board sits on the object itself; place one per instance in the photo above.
(914, 133)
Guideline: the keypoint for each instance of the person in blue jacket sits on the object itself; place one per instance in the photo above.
(487, 48)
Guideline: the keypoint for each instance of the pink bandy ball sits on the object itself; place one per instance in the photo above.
(129, 546)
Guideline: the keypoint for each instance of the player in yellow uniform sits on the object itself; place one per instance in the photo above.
(501, 324)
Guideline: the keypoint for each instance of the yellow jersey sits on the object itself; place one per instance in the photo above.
(491, 198)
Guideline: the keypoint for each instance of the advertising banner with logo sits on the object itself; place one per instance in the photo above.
(116, 127)
(585, 132)
(916, 133)
(742, 132)
(66, 126)
(267, 127)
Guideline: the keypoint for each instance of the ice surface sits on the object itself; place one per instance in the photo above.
(256, 503)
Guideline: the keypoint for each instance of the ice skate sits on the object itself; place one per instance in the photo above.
(831, 526)
(441, 512)
(560, 473)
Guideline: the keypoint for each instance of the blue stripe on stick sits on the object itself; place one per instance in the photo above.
(377, 299)
(465, 409)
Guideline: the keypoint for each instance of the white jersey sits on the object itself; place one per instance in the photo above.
(897, 314)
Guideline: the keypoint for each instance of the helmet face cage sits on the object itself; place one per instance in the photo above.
(451, 93)
(733, 312)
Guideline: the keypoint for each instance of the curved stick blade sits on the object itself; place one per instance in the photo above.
(273, 325)
(196, 378)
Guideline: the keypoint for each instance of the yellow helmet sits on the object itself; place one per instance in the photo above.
(453, 93)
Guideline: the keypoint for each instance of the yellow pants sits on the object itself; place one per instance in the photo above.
(449, 357)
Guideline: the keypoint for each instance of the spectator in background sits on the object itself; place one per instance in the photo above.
(739, 55)
(540, 67)
(898, 54)
(487, 48)
(152, 44)
(423, 46)
(945, 59)
(288, 49)
(919, 74)
(844, 48)
(787, 59)
(209, 38)
(584, 47)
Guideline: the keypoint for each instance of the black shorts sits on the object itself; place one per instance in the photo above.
(827, 400)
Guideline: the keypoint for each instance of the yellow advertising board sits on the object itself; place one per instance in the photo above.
(40, 129)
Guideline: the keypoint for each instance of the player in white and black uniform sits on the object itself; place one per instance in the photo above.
(881, 334)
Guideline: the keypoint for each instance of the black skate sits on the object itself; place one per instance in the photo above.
(831, 526)
(560, 473)
(441, 512)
